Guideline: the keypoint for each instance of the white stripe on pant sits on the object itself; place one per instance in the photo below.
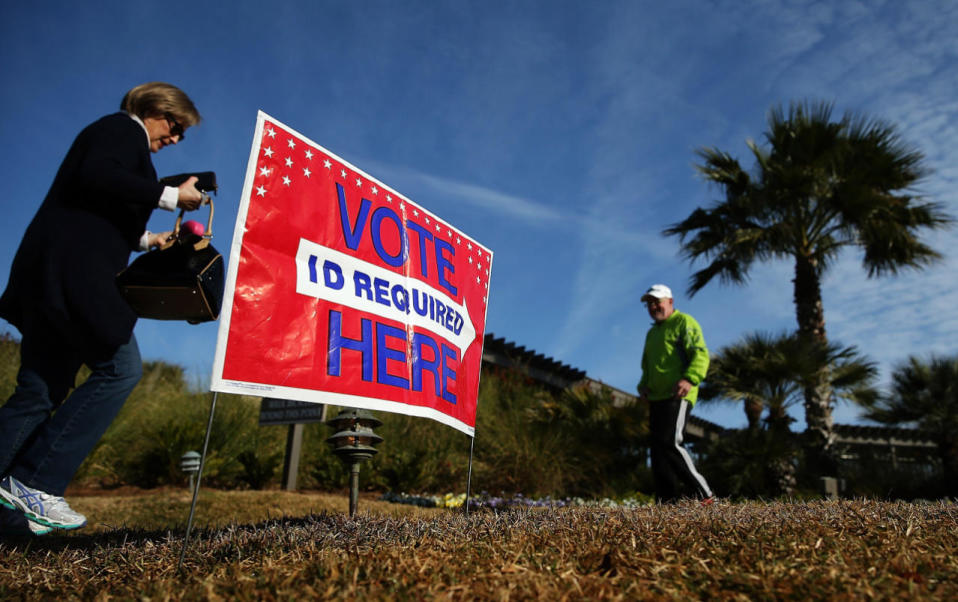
(671, 462)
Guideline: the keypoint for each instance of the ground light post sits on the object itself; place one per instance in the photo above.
(352, 442)
(190, 464)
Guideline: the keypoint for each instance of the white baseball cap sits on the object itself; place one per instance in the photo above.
(659, 291)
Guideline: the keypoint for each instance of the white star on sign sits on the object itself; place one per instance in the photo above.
(375, 190)
(291, 143)
(268, 151)
(327, 164)
(309, 154)
(470, 246)
(289, 162)
(342, 172)
(261, 191)
(264, 171)
(286, 180)
(306, 172)
(271, 132)
(359, 182)
(478, 280)
(438, 229)
(427, 219)
(415, 212)
(458, 241)
(389, 198)
(470, 260)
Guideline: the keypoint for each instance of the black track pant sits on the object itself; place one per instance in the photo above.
(671, 463)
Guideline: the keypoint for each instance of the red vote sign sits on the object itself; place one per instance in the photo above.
(342, 291)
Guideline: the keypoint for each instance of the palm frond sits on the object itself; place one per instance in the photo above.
(777, 368)
(890, 237)
(923, 392)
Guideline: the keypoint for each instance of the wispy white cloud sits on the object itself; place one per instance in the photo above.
(533, 213)
(495, 201)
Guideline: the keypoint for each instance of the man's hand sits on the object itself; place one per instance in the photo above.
(157, 239)
(643, 394)
(682, 389)
(189, 197)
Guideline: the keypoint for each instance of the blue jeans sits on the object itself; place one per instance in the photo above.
(44, 438)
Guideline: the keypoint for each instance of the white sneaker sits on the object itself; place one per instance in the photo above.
(37, 528)
(43, 508)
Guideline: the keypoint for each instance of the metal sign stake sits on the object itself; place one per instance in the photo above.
(196, 490)
(472, 444)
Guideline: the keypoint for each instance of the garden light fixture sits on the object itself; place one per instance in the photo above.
(353, 442)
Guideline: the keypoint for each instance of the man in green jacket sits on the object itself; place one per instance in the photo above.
(674, 362)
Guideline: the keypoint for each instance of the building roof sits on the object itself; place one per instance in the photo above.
(499, 352)
(882, 435)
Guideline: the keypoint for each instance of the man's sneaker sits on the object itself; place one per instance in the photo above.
(43, 508)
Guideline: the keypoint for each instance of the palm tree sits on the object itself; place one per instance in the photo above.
(771, 372)
(756, 372)
(818, 187)
(925, 394)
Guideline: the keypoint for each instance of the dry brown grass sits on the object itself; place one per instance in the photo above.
(845, 550)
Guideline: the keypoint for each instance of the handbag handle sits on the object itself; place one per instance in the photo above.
(206, 235)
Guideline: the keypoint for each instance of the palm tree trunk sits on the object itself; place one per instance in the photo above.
(819, 434)
(753, 413)
(782, 471)
(782, 467)
(808, 299)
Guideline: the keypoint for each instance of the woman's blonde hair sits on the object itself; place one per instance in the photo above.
(157, 99)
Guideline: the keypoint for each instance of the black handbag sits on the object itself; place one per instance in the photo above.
(182, 280)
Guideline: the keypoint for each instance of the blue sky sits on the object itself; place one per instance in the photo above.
(559, 134)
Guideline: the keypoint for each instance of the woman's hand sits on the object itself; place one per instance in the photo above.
(189, 197)
(158, 239)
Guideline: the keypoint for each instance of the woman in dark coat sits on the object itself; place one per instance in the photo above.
(63, 298)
